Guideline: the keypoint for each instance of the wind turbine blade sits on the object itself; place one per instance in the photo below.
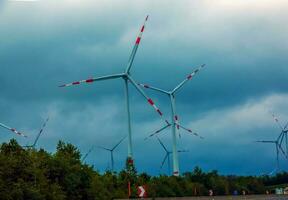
(40, 132)
(277, 121)
(282, 151)
(280, 136)
(104, 148)
(153, 88)
(150, 101)
(89, 151)
(189, 77)
(118, 143)
(280, 139)
(165, 158)
(161, 143)
(101, 78)
(190, 131)
(134, 50)
(12, 129)
(183, 151)
(158, 131)
(265, 141)
(285, 126)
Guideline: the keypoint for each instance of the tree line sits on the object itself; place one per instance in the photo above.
(38, 175)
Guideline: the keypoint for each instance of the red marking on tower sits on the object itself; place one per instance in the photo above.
(130, 161)
(176, 173)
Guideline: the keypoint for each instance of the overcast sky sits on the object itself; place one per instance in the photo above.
(244, 45)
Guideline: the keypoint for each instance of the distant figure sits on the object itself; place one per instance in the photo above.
(235, 193)
(267, 192)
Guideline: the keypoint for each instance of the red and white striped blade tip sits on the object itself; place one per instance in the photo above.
(17, 132)
(78, 82)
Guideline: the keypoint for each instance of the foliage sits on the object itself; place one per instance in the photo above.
(37, 174)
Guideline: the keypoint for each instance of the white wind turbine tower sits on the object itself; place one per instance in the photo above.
(111, 152)
(126, 77)
(12, 129)
(174, 118)
(167, 155)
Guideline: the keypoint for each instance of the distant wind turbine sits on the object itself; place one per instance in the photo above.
(283, 134)
(167, 155)
(278, 147)
(111, 151)
(174, 118)
(278, 143)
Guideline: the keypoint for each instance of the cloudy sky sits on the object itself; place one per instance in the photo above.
(243, 44)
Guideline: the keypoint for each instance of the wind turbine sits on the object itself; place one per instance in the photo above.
(167, 155)
(283, 134)
(278, 142)
(278, 147)
(126, 76)
(111, 152)
(12, 129)
(174, 118)
(38, 135)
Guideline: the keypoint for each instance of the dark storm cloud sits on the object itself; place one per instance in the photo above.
(48, 43)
